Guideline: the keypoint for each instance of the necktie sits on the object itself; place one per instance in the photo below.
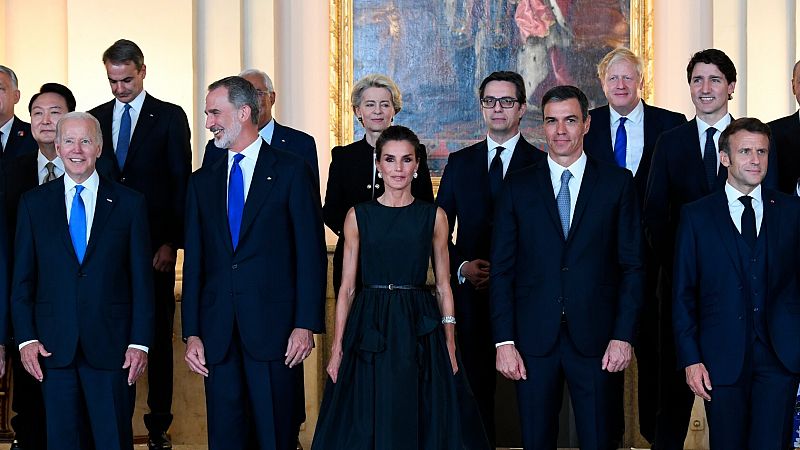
(621, 143)
(77, 224)
(51, 172)
(235, 199)
(748, 221)
(124, 138)
(496, 172)
(563, 201)
(710, 158)
(2, 149)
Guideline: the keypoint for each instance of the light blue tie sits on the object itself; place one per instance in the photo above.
(124, 138)
(621, 143)
(563, 201)
(235, 199)
(77, 224)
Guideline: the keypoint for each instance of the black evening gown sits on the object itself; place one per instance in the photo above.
(396, 388)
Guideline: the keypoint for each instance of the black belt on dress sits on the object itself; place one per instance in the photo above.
(393, 287)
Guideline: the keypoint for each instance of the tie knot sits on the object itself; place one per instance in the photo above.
(237, 158)
(711, 132)
(79, 189)
(566, 176)
(127, 107)
(50, 166)
(622, 121)
(499, 149)
(747, 201)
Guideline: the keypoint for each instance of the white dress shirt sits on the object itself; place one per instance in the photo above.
(41, 163)
(247, 164)
(720, 126)
(119, 108)
(634, 130)
(268, 131)
(736, 207)
(6, 130)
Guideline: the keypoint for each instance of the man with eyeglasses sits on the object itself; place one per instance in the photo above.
(471, 180)
(276, 135)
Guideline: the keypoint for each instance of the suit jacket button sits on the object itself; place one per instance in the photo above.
(369, 186)
(123, 179)
(235, 266)
(565, 269)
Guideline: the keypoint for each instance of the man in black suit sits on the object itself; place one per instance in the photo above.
(470, 182)
(15, 135)
(254, 276)
(736, 290)
(625, 132)
(566, 280)
(786, 142)
(147, 148)
(685, 168)
(277, 135)
(82, 297)
(22, 174)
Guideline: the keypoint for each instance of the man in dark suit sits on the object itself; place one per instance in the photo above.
(147, 148)
(254, 276)
(685, 168)
(82, 297)
(470, 182)
(277, 135)
(785, 140)
(566, 280)
(22, 174)
(15, 135)
(625, 132)
(736, 290)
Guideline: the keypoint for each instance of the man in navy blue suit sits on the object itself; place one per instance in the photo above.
(466, 194)
(786, 142)
(277, 135)
(625, 132)
(254, 276)
(736, 298)
(82, 296)
(566, 280)
(15, 135)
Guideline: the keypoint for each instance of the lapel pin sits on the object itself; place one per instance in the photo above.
(283, 140)
(21, 133)
(772, 201)
(269, 178)
(151, 115)
(369, 186)
(109, 200)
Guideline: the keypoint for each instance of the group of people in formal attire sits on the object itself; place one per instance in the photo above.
(634, 231)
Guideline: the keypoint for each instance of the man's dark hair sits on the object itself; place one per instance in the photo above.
(240, 92)
(715, 57)
(55, 88)
(511, 77)
(399, 133)
(750, 124)
(124, 51)
(561, 93)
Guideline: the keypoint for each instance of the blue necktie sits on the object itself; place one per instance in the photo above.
(235, 199)
(563, 201)
(710, 158)
(124, 138)
(621, 143)
(77, 224)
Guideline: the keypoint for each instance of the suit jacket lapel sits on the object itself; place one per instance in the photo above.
(278, 136)
(721, 216)
(102, 209)
(147, 119)
(770, 222)
(587, 187)
(604, 125)
(479, 160)
(57, 204)
(522, 157)
(264, 177)
(217, 195)
(548, 196)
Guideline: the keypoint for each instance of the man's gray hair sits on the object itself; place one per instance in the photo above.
(80, 115)
(262, 75)
(11, 74)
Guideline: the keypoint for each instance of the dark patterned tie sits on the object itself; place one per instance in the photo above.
(496, 172)
(51, 172)
(748, 221)
(710, 158)
(563, 201)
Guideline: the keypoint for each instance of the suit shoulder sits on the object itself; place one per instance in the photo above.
(101, 108)
(526, 173)
(344, 151)
(464, 152)
(679, 133)
(297, 134)
(600, 111)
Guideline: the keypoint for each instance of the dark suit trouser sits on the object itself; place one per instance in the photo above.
(159, 364)
(592, 392)
(758, 408)
(106, 397)
(242, 392)
(28, 405)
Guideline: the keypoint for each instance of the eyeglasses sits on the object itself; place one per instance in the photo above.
(505, 102)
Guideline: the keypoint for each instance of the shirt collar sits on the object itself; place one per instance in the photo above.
(508, 145)
(136, 104)
(576, 169)
(268, 131)
(91, 183)
(250, 152)
(720, 125)
(42, 160)
(6, 128)
(733, 194)
(635, 116)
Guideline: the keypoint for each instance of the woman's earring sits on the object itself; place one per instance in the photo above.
(380, 175)
(415, 174)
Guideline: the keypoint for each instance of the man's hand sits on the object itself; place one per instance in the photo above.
(300, 344)
(477, 273)
(136, 361)
(509, 363)
(29, 355)
(699, 381)
(164, 259)
(195, 356)
(617, 357)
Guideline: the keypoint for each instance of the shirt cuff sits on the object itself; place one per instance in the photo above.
(461, 278)
(27, 342)
(500, 344)
(797, 188)
(139, 347)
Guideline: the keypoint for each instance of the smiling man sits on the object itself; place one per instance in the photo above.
(735, 298)
(566, 280)
(147, 148)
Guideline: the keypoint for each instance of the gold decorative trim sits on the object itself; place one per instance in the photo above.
(641, 29)
(341, 71)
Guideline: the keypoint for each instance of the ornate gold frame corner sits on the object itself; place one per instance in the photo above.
(642, 42)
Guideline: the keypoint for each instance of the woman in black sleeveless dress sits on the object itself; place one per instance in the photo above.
(394, 378)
